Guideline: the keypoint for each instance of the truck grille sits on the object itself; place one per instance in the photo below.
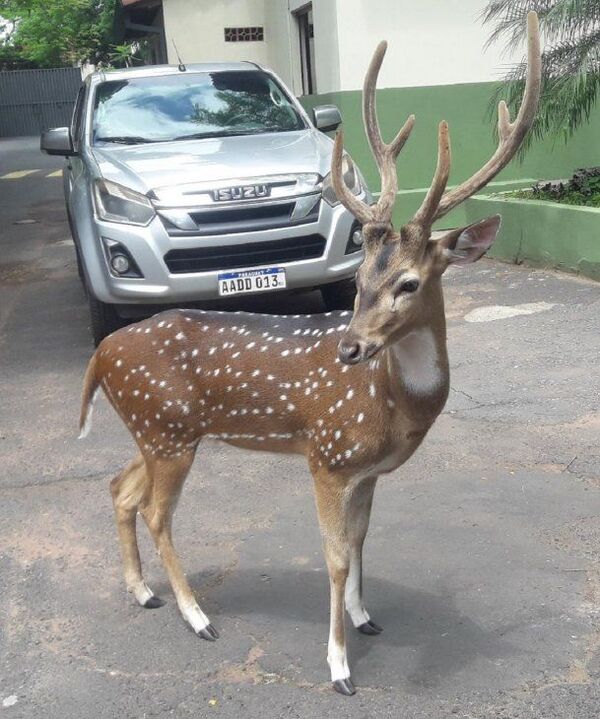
(251, 254)
(253, 218)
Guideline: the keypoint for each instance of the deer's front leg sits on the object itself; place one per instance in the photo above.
(331, 506)
(360, 501)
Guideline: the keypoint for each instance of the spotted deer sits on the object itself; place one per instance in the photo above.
(355, 394)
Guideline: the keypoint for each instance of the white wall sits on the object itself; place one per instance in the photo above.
(197, 27)
(430, 42)
(326, 18)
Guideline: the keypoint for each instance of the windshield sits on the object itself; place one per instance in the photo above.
(191, 105)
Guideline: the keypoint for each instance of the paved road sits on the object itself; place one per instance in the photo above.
(482, 560)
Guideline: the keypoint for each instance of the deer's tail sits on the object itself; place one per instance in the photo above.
(91, 387)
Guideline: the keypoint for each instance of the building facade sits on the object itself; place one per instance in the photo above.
(324, 46)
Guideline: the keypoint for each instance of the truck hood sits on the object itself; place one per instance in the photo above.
(168, 164)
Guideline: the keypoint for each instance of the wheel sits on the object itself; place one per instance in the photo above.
(104, 318)
(339, 295)
(80, 271)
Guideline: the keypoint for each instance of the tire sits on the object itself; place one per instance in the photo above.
(339, 295)
(80, 270)
(104, 319)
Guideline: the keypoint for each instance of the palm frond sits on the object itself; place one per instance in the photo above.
(570, 62)
(560, 20)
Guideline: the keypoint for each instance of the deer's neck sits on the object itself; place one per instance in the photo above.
(417, 365)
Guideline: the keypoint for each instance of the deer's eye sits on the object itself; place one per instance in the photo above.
(411, 285)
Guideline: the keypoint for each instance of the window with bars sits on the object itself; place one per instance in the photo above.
(244, 34)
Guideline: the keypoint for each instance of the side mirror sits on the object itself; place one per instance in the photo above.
(326, 117)
(57, 141)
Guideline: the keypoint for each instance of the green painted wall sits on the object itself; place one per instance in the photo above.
(464, 107)
(540, 233)
(544, 234)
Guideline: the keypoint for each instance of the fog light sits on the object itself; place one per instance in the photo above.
(119, 260)
(120, 264)
(357, 237)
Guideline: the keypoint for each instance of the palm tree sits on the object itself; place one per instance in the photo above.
(570, 62)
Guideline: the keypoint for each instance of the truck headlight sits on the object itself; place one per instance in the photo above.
(352, 179)
(115, 203)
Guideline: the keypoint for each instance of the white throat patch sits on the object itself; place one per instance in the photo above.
(418, 358)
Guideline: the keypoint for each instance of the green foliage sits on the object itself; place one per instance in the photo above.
(128, 54)
(54, 33)
(570, 62)
(582, 189)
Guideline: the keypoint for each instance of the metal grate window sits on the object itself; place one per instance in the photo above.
(244, 34)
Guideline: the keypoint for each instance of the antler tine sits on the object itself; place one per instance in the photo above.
(358, 208)
(511, 134)
(381, 150)
(426, 213)
(385, 154)
(370, 105)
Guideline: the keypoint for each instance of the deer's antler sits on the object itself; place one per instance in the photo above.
(511, 134)
(437, 203)
(385, 154)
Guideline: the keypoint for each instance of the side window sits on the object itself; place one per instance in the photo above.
(78, 113)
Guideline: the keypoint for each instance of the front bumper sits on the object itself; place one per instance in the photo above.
(149, 245)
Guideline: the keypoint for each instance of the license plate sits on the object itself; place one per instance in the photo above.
(247, 281)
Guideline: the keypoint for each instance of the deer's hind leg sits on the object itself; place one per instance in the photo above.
(130, 489)
(167, 476)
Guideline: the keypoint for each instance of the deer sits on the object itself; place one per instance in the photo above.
(355, 393)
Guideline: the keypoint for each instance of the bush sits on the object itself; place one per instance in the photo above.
(583, 188)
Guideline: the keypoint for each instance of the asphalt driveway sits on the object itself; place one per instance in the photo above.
(482, 561)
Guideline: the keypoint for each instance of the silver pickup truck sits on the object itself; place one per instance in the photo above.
(193, 183)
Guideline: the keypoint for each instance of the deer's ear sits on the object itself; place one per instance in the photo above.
(468, 244)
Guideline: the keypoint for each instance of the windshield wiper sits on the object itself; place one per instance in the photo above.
(125, 139)
(204, 135)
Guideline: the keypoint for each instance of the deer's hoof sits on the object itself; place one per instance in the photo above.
(370, 628)
(209, 633)
(344, 686)
(153, 603)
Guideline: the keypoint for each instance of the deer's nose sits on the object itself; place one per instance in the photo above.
(350, 352)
